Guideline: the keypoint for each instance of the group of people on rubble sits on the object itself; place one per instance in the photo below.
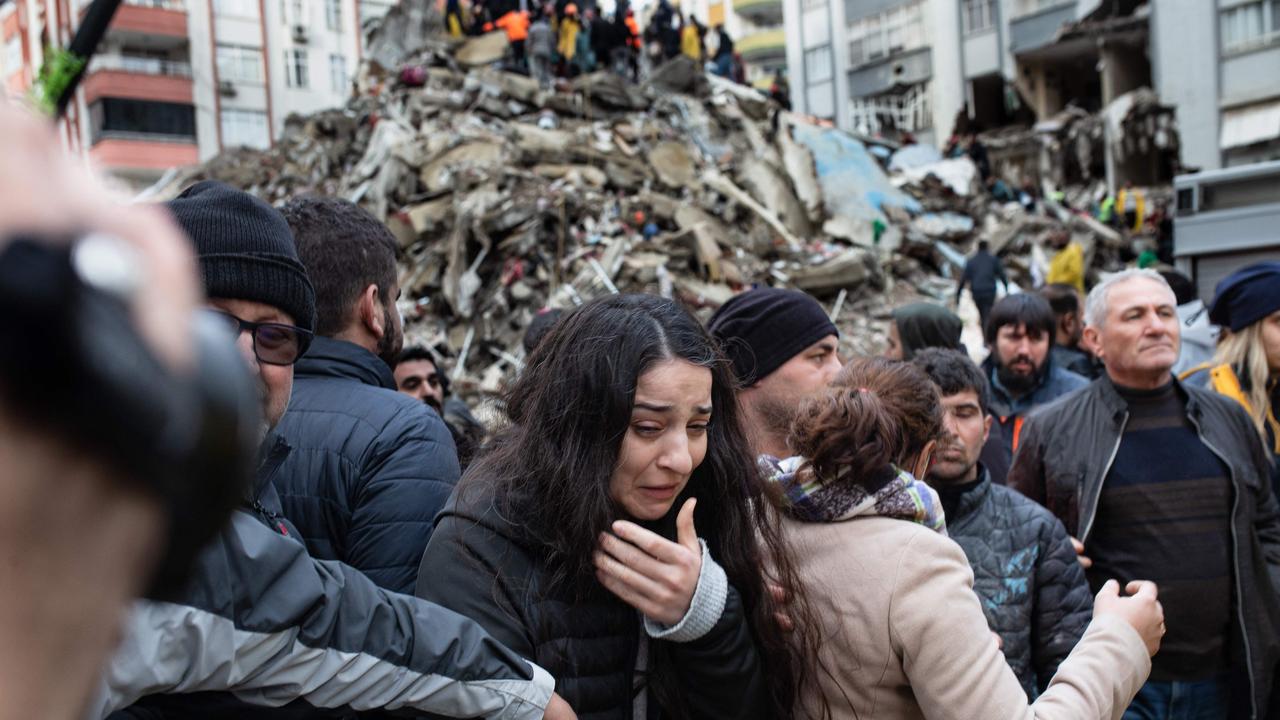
(731, 520)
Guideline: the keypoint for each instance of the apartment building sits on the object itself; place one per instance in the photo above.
(891, 67)
(174, 82)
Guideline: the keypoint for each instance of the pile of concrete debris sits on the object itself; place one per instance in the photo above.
(507, 198)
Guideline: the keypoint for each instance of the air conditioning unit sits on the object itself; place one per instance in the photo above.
(226, 88)
(300, 33)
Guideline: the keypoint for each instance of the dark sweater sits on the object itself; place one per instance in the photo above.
(1164, 515)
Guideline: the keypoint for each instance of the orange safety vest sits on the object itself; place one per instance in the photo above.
(516, 24)
(633, 28)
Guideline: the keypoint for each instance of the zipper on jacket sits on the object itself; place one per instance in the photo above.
(1097, 493)
(273, 519)
(1235, 551)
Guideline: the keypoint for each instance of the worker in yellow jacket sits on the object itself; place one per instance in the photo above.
(690, 43)
(1067, 265)
(569, 28)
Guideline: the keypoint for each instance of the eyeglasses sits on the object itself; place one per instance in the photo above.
(273, 343)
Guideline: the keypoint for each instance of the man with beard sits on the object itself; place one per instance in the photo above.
(418, 375)
(371, 467)
(1021, 371)
(783, 348)
(1033, 591)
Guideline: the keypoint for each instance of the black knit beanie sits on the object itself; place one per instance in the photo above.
(245, 249)
(761, 329)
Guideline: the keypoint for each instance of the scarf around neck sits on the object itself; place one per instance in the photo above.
(899, 495)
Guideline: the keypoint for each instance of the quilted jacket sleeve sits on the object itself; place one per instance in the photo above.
(409, 472)
(720, 672)
(1063, 603)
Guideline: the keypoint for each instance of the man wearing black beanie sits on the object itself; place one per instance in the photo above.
(783, 348)
(263, 629)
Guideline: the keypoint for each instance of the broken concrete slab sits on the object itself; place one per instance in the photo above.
(483, 50)
(673, 164)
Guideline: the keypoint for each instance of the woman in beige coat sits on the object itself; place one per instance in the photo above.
(904, 635)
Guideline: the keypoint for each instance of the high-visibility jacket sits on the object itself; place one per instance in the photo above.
(1223, 380)
(689, 44)
(516, 23)
(633, 32)
(1067, 267)
(569, 29)
(1139, 206)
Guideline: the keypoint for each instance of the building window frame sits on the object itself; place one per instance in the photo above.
(883, 35)
(333, 15)
(296, 73)
(817, 64)
(338, 73)
(1249, 25)
(239, 63)
(236, 8)
(244, 128)
(978, 16)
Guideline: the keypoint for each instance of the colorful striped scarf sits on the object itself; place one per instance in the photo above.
(897, 495)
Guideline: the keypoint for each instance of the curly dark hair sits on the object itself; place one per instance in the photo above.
(552, 466)
(877, 412)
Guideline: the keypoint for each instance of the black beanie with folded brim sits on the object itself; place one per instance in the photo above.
(245, 249)
(761, 329)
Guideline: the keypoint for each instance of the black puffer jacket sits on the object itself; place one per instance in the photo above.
(370, 467)
(477, 564)
(1033, 591)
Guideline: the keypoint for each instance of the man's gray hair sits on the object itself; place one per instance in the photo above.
(1095, 306)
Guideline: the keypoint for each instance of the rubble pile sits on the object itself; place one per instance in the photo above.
(507, 198)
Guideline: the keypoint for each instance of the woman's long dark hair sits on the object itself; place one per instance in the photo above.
(552, 466)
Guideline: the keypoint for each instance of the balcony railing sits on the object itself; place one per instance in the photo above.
(767, 43)
(180, 5)
(142, 65)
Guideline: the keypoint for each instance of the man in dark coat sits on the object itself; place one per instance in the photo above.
(1168, 483)
(981, 272)
(1025, 573)
(371, 467)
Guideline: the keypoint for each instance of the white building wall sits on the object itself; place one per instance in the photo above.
(1184, 66)
(947, 87)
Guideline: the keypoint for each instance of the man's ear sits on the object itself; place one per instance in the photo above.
(369, 312)
(1090, 341)
(986, 428)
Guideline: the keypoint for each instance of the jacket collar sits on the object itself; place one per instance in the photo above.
(275, 450)
(971, 501)
(329, 357)
(1116, 405)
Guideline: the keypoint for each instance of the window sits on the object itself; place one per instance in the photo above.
(246, 128)
(242, 8)
(879, 36)
(978, 15)
(812, 4)
(293, 12)
(333, 15)
(338, 73)
(239, 63)
(817, 64)
(13, 54)
(1250, 25)
(144, 117)
(295, 68)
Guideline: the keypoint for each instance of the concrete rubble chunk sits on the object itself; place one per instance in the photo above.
(482, 50)
(674, 165)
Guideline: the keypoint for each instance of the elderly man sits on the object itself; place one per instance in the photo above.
(1166, 482)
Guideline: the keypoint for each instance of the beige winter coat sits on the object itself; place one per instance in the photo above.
(905, 637)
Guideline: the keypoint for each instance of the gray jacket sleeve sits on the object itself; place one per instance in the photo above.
(269, 624)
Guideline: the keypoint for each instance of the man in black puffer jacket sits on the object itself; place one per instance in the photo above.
(1025, 572)
(371, 467)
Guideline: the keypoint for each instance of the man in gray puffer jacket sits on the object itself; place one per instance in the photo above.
(1025, 573)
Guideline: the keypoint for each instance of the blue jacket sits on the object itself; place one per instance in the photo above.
(1009, 413)
(370, 467)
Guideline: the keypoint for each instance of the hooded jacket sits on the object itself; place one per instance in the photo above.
(263, 625)
(371, 467)
(1066, 452)
(926, 325)
(1032, 590)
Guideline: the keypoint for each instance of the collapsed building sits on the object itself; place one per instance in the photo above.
(507, 198)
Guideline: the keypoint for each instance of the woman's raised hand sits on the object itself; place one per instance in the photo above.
(1140, 609)
(650, 573)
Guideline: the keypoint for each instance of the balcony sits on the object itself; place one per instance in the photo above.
(165, 18)
(764, 45)
(763, 12)
(139, 78)
(124, 151)
(1039, 27)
